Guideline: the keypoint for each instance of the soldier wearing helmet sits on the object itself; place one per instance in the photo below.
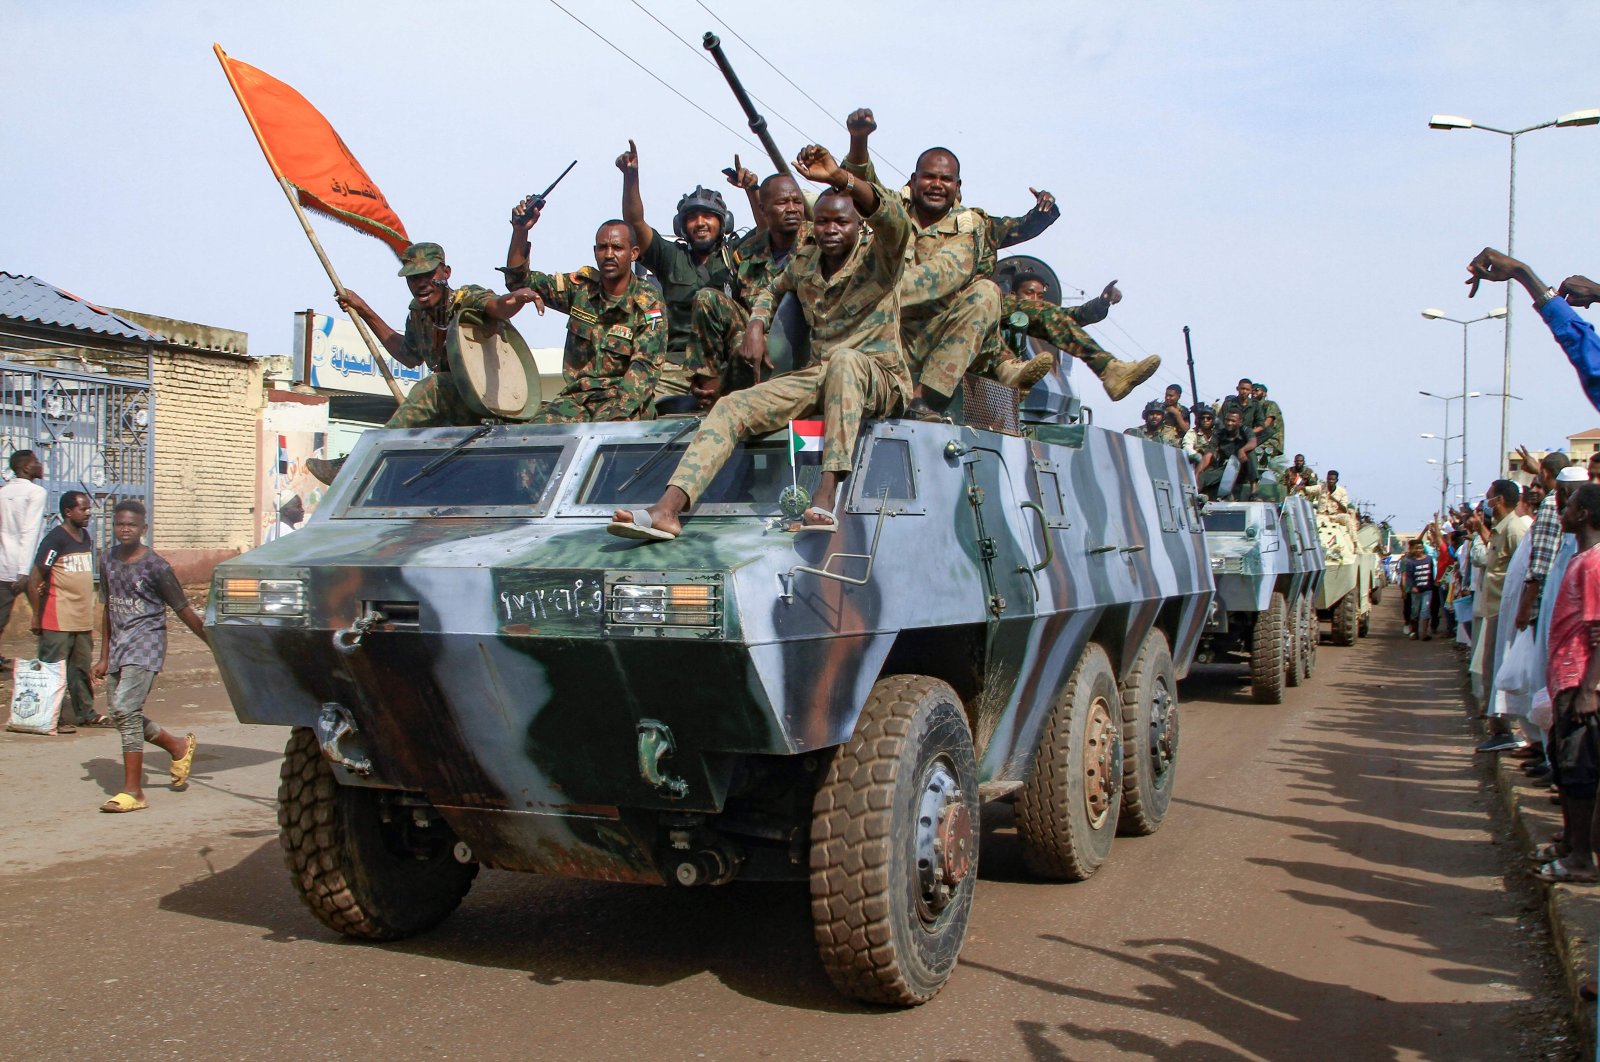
(1197, 440)
(1155, 427)
(698, 260)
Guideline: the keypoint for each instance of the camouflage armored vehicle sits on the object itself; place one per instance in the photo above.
(1345, 596)
(1267, 562)
(475, 674)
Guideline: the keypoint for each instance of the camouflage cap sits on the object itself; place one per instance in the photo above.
(420, 258)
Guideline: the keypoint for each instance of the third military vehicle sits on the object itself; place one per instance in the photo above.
(475, 674)
(1345, 596)
(1268, 564)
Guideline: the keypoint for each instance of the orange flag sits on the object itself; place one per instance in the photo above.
(302, 148)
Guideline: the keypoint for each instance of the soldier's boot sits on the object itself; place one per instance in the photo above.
(324, 469)
(1014, 372)
(1121, 377)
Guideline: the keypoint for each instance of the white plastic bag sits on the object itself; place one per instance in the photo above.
(36, 696)
(1521, 672)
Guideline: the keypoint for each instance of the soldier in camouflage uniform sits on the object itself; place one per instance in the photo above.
(699, 260)
(616, 326)
(718, 320)
(1155, 428)
(1062, 327)
(1231, 440)
(1301, 475)
(848, 284)
(434, 401)
(1244, 401)
(1271, 430)
(950, 306)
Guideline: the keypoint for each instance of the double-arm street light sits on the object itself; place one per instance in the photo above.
(1447, 399)
(1444, 459)
(1439, 315)
(1566, 121)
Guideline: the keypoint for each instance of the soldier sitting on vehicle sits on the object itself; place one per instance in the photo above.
(1242, 399)
(1270, 431)
(1155, 427)
(1061, 327)
(1197, 438)
(435, 401)
(1301, 475)
(718, 319)
(1231, 442)
(699, 260)
(857, 368)
(616, 325)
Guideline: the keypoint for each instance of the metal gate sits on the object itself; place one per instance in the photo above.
(91, 432)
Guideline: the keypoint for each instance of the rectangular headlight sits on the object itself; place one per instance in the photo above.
(262, 597)
(665, 604)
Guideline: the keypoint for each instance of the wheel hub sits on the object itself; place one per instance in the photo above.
(946, 841)
(1102, 763)
(1163, 730)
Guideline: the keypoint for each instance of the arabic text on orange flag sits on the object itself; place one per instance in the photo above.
(303, 149)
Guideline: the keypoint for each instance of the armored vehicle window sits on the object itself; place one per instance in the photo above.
(751, 480)
(1226, 520)
(1272, 518)
(498, 478)
(888, 469)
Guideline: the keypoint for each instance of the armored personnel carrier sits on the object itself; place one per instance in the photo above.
(475, 674)
(1267, 562)
(1345, 597)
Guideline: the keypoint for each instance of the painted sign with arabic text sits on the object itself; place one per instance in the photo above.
(338, 360)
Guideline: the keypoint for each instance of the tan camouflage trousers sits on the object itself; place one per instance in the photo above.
(716, 333)
(1053, 325)
(941, 344)
(845, 387)
(434, 402)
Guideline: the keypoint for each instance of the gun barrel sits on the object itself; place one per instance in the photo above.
(758, 124)
(1194, 389)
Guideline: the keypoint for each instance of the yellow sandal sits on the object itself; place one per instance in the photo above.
(182, 765)
(123, 802)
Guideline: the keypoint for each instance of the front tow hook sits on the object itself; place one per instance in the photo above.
(346, 640)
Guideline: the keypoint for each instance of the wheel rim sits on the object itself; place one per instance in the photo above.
(1102, 763)
(1163, 730)
(946, 840)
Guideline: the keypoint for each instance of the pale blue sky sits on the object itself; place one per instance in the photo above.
(1261, 172)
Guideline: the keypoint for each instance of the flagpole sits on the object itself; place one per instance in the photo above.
(305, 223)
(322, 256)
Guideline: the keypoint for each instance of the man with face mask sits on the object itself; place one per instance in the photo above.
(699, 259)
(718, 320)
(435, 401)
(857, 369)
(616, 326)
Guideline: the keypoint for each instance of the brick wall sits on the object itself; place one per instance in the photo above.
(207, 410)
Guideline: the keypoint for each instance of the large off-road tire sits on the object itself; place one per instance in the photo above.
(1311, 630)
(1295, 642)
(1375, 595)
(1268, 654)
(349, 866)
(1067, 812)
(1346, 615)
(1149, 737)
(894, 845)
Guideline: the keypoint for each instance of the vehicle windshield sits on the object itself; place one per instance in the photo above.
(754, 476)
(1227, 519)
(499, 477)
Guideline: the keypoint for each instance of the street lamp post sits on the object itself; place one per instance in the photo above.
(1447, 399)
(1444, 459)
(1439, 315)
(1566, 121)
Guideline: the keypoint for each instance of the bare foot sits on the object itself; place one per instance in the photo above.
(661, 518)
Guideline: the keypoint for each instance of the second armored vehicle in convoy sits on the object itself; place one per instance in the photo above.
(1345, 597)
(475, 674)
(1268, 564)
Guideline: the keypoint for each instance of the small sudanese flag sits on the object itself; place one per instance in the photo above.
(805, 437)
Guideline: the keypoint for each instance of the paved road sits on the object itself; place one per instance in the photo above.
(1326, 886)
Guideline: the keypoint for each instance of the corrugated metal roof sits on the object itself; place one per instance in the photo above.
(31, 299)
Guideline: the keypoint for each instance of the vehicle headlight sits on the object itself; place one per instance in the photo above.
(1218, 563)
(262, 597)
(696, 604)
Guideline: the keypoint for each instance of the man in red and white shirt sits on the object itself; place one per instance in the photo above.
(1572, 675)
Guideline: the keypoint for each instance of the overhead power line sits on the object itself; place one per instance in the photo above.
(664, 84)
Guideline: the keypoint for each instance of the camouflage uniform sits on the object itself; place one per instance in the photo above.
(1058, 326)
(1222, 446)
(1007, 232)
(857, 368)
(682, 281)
(718, 318)
(434, 401)
(614, 347)
(949, 305)
(1166, 435)
(1271, 437)
(1307, 476)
